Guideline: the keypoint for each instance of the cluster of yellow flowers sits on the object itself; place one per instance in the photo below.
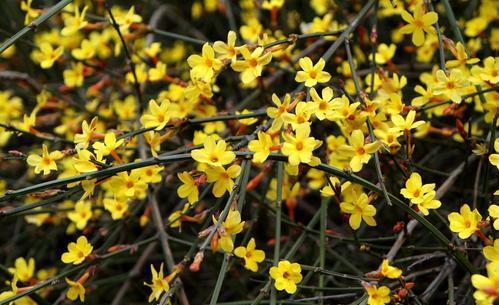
(105, 143)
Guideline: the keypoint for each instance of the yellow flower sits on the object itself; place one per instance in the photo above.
(159, 284)
(73, 24)
(389, 137)
(312, 74)
(360, 152)
(492, 252)
(406, 124)
(158, 115)
(429, 202)
(158, 72)
(461, 57)
(490, 71)
(390, 271)
(189, 188)
(74, 77)
(303, 112)
(494, 213)
(23, 270)
(252, 65)
(77, 252)
(110, 144)
(116, 206)
(494, 158)
(222, 178)
(126, 19)
(415, 190)
(83, 162)
(130, 185)
(475, 26)
(359, 209)
(231, 226)
(465, 222)
(418, 24)
(322, 107)
(31, 13)
(45, 162)
(227, 50)
(286, 276)
(75, 291)
(47, 55)
(82, 214)
(487, 287)
(450, 86)
(378, 296)
(272, 4)
(140, 72)
(251, 255)
(299, 148)
(261, 147)
(343, 109)
(384, 53)
(82, 140)
(251, 30)
(205, 65)
(10, 293)
(175, 218)
(277, 113)
(213, 153)
(85, 51)
(151, 174)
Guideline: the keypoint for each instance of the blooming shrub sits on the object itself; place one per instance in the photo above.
(246, 152)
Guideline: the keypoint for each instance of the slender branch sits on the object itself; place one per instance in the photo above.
(34, 24)
(379, 173)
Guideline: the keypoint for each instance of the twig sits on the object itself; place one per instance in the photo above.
(34, 24)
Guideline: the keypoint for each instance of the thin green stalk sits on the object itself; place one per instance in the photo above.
(464, 97)
(486, 165)
(277, 237)
(291, 39)
(441, 51)
(177, 36)
(322, 243)
(230, 15)
(128, 56)
(56, 279)
(34, 24)
(352, 26)
(225, 212)
(323, 167)
(224, 268)
(377, 164)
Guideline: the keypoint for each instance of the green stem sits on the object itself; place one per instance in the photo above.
(34, 24)
(224, 268)
(277, 237)
(377, 164)
(322, 243)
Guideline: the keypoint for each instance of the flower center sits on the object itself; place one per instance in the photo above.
(252, 62)
(361, 151)
(313, 74)
(299, 145)
(214, 159)
(46, 160)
